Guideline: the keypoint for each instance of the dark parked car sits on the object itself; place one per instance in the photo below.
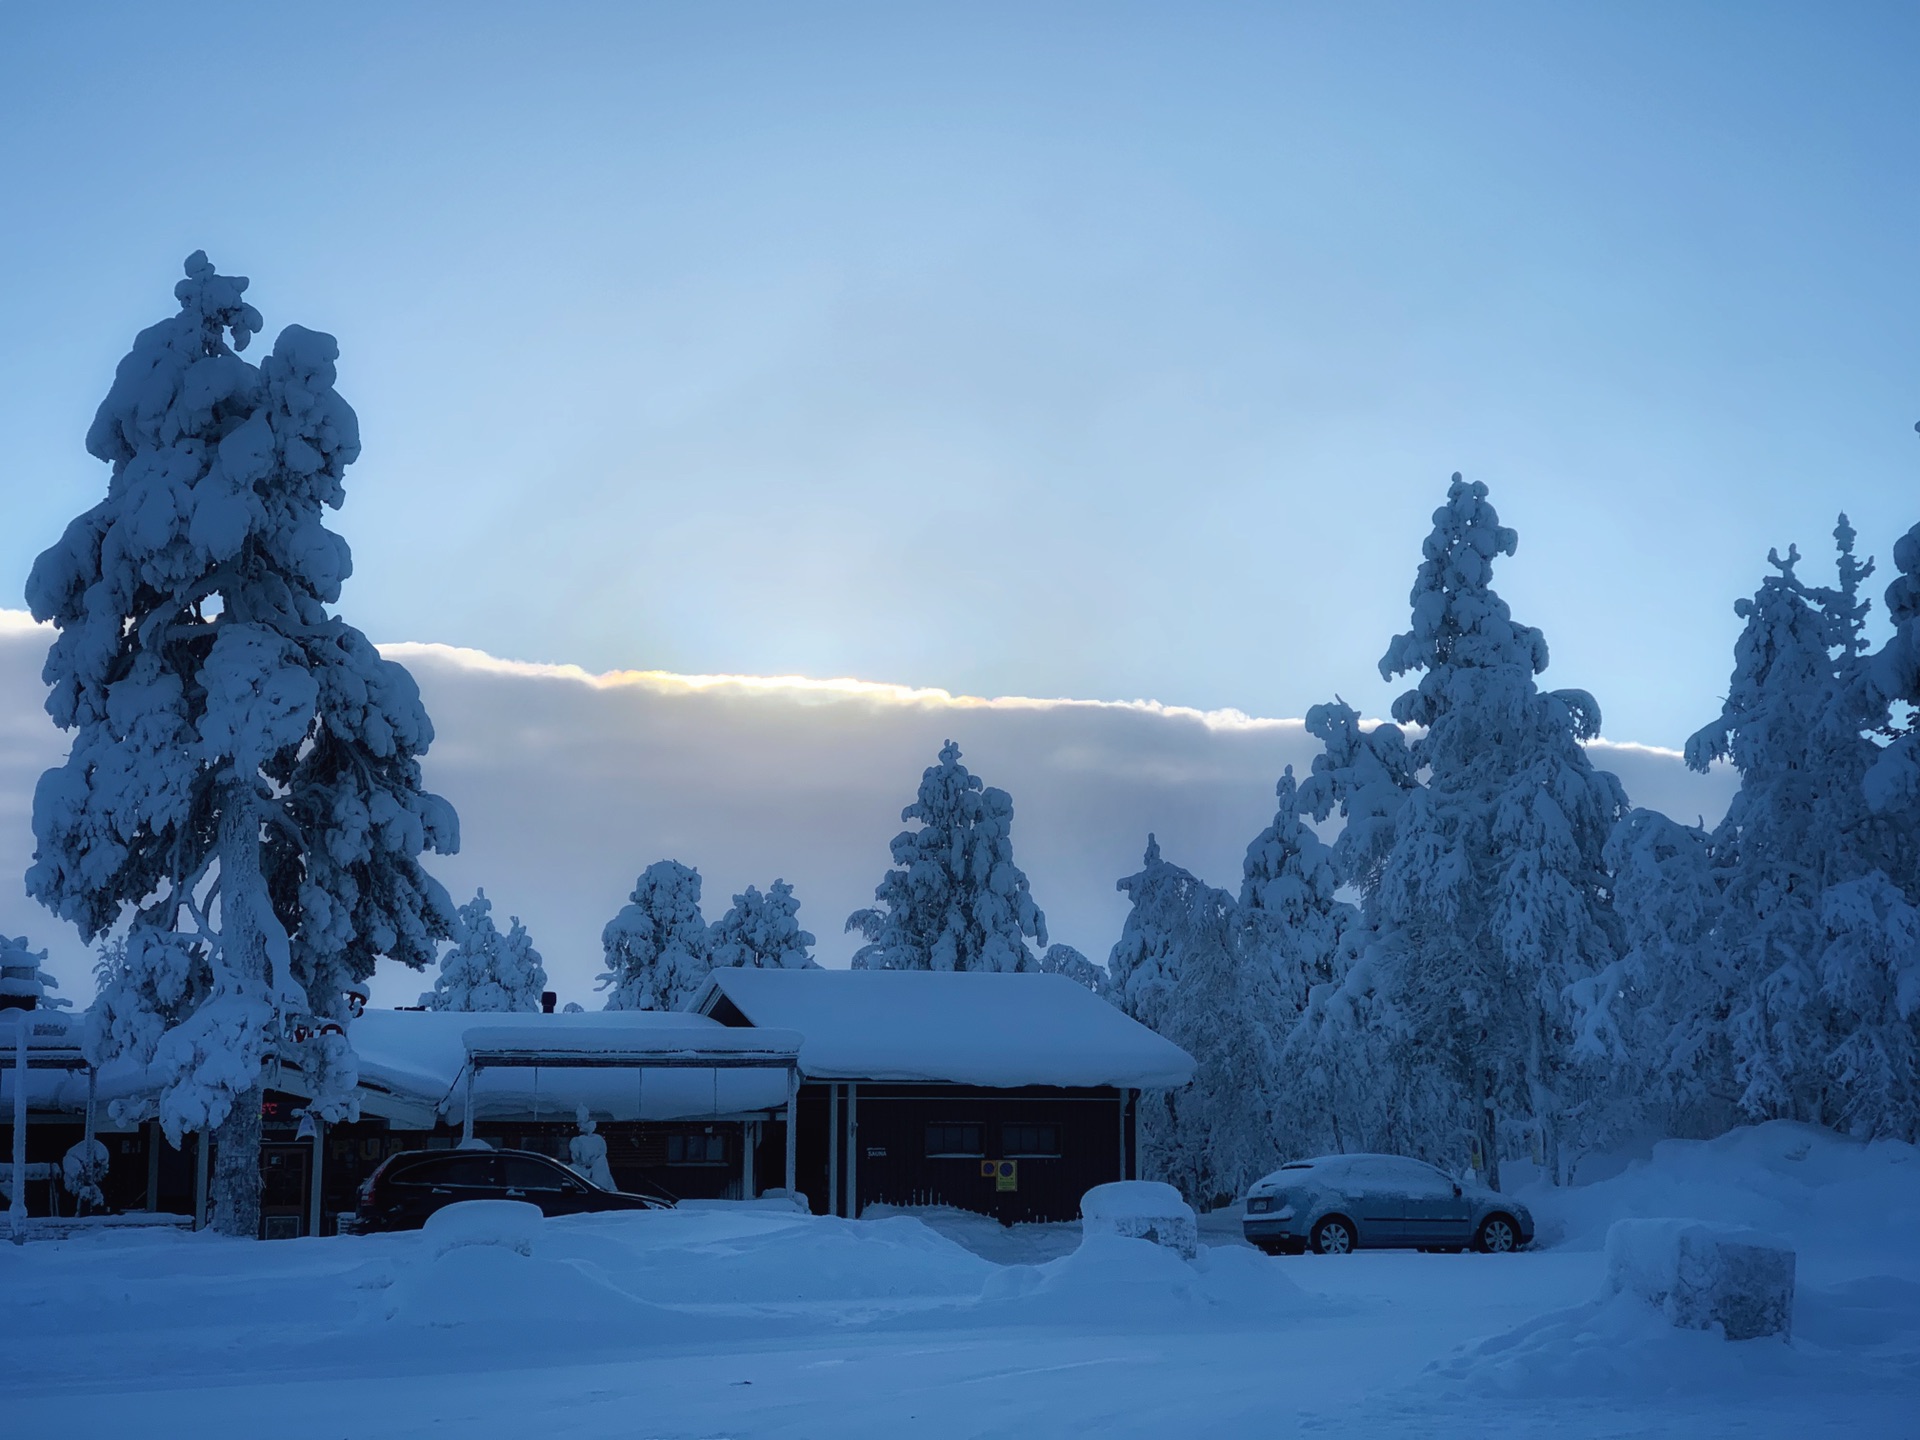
(1339, 1203)
(409, 1187)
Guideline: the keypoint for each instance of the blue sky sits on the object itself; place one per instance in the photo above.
(1109, 352)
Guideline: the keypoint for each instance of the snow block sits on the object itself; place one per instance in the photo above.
(507, 1224)
(1141, 1210)
(1702, 1275)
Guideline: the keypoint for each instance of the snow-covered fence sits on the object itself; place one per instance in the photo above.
(1700, 1275)
(1141, 1210)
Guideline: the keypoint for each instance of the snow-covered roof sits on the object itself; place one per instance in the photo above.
(411, 1063)
(954, 1027)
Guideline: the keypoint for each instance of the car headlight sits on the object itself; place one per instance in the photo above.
(1259, 1205)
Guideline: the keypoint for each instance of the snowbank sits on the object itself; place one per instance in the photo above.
(1839, 1202)
(1700, 1276)
(1115, 1281)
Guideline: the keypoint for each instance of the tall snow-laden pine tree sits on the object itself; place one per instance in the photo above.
(244, 776)
(657, 947)
(1492, 903)
(1798, 825)
(956, 900)
(762, 931)
(1178, 969)
(1660, 1012)
(485, 970)
(1893, 781)
(1291, 916)
(1292, 931)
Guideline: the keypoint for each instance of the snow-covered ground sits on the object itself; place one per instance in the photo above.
(742, 1321)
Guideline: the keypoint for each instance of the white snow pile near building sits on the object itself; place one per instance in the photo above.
(1113, 1282)
(1848, 1209)
(1822, 1192)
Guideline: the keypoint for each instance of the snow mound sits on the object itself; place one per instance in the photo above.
(508, 1224)
(1823, 1193)
(1114, 1280)
(490, 1285)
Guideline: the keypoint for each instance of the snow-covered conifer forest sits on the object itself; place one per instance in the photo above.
(1458, 939)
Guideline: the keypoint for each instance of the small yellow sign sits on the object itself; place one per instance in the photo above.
(1007, 1175)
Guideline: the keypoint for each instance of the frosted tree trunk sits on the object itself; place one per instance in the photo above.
(244, 912)
(1490, 1136)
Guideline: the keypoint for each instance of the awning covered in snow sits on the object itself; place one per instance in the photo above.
(961, 1028)
(619, 1064)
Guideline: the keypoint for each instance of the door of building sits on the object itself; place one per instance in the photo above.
(283, 1190)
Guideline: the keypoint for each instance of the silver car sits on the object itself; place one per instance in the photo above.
(1339, 1203)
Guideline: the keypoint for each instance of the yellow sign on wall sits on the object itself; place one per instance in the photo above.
(1005, 1174)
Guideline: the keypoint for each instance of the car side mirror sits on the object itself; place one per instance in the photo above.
(1456, 1190)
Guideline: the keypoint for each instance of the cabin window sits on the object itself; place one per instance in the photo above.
(1030, 1142)
(696, 1149)
(963, 1141)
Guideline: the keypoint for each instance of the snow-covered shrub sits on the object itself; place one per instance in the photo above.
(1141, 1210)
(1701, 1275)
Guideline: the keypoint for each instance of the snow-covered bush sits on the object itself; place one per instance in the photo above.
(485, 970)
(657, 946)
(762, 931)
(245, 766)
(956, 900)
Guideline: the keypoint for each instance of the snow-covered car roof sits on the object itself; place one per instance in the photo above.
(953, 1027)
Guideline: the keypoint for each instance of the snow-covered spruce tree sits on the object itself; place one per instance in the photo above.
(1661, 1010)
(762, 931)
(1291, 916)
(24, 981)
(657, 946)
(1067, 961)
(956, 900)
(1799, 824)
(1893, 781)
(244, 782)
(485, 970)
(1178, 970)
(1492, 904)
(1291, 928)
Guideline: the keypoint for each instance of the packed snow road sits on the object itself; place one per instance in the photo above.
(751, 1322)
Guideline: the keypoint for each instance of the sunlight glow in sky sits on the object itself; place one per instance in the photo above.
(1104, 351)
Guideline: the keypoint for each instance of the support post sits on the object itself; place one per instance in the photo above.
(314, 1179)
(17, 1207)
(749, 1142)
(1121, 1115)
(155, 1139)
(200, 1180)
(833, 1149)
(853, 1151)
(466, 1106)
(793, 1130)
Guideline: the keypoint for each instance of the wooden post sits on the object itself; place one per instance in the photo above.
(793, 1130)
(1122, 1116)
(749, 1142)
(833, 1149)
(314, 1216)
(200, 1180)
(466, 1107)
(17, 1208)
(853, 1151)
(155, 1139)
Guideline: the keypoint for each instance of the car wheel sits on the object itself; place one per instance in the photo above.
(1498, 1235)
(1332, 1236)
